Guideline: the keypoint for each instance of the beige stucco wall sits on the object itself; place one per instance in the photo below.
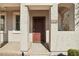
(61, 41)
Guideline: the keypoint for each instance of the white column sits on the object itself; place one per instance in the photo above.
(54, 26)
(24, 21)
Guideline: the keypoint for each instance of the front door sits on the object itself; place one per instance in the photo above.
(39, 29)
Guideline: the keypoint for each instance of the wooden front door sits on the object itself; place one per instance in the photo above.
(39, 29)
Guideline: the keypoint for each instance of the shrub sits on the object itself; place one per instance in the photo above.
(73, 52)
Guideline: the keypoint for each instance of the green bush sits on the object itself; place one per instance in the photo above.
(73, 52)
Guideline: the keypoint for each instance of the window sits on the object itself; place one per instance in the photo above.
(2, 22)
(17, 22)
(66, 17)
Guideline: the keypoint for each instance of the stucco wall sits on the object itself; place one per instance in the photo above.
(61, 41)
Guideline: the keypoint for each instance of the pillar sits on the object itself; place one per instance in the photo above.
(54, 26)
(24, 26)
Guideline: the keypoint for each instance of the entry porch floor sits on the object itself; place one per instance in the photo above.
(13, 49)
(10, 49)
(38, 49)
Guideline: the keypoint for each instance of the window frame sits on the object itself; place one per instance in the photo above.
(71, 28)
(4, 14)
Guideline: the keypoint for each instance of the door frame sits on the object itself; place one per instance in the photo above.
(32, 27)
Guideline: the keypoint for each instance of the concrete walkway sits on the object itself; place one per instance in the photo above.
(10, 49)
(13, 49)
(37, 49)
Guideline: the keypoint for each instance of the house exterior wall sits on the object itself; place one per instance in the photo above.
(61, 41)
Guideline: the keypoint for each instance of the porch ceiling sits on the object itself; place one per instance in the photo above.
(9, 6)
(38, 6)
